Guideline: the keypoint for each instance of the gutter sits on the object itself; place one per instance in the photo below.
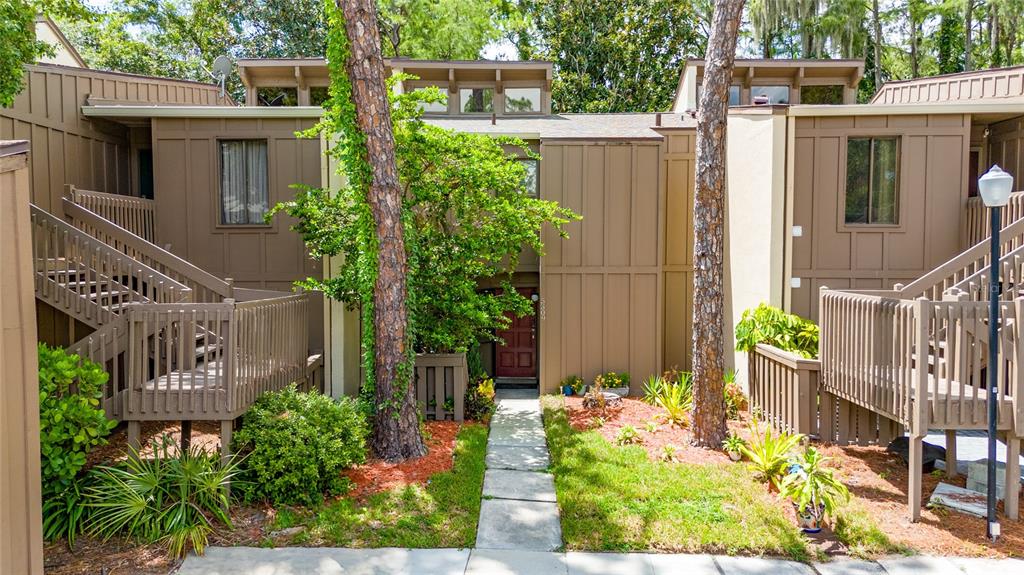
(1015, 107)
(163, 111)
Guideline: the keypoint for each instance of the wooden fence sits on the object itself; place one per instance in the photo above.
(137, 215)
(441, 381)
(784, 389)
(21, 539)
(975, 219)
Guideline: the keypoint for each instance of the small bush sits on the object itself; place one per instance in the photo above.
(735, 400)
(677, 401)
(769, 453)
(480, 400)
(612, 379)
(71, 421)
(771, 325)
(296, 445)
(173, 498)
(573, 381)
(627, 435)
(653, 387)
(71, 424)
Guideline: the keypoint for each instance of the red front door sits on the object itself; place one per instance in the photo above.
(517, 356)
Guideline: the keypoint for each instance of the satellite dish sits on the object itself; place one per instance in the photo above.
(222, 66)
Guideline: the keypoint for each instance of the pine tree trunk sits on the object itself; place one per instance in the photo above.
(968, 33)
(396, 431)
(915, 70)
(709, 427)
(877, 21)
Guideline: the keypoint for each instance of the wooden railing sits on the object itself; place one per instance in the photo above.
(975, 219)
(973, 260)
(1011, 274)
(137, 215)
(87, 278)
(784, 389)
(206, 286)
(441, 385)
(919, 362)
(210, 361)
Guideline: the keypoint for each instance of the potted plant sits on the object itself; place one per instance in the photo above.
(612, 382)
(814, 490)
(572, 384)
(733, 445)
(579, 387)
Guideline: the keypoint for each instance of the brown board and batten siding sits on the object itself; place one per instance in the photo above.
(680, 149)
(604, 289)
(21, 549)
(187, 191)
(68, 148)
(932, 186)
(92, 154)
(1006, 148)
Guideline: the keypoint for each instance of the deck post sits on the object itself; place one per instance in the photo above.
(227, 427)
(951, 453)
(186, 435)
(1011, 485)
(914, 478)
(135, 435)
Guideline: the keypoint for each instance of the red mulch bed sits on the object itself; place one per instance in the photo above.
(378, 475)
(633, 411)
(121, 557)
(877, 479)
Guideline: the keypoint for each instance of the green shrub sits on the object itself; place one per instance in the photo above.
(479, 402)
(296, 445)
(677, 401)
(71, 424)
(71, 421)
(627, 435)
(173, 498)
(653, 387)
(735, 399)
(612, 379)
(813, 487)
(771, 325)
(769, 453)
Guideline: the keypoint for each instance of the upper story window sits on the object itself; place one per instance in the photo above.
(283, 96)
(831, 94)
(734, 95)
(774, 94)
(476, 100)
(435, 107)
(318, 95)
(522, 100)
(531, 182)
(244, 185)
(872, 181)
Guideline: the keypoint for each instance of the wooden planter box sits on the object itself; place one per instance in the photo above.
(440, 376)
(784, 388)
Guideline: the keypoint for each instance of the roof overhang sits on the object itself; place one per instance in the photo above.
(1011, 108)
(138, 111)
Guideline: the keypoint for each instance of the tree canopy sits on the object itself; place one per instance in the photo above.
(18, 43)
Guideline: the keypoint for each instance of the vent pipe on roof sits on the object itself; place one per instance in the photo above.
(494, 118)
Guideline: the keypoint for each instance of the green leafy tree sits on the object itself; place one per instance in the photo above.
(437, 29)
(610, 55)
(18, 42)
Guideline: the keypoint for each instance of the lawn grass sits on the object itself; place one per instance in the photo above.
(443, 513)
(616, 499)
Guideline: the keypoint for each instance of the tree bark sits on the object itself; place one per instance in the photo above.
(968, 33)
(876, 18)
(396, 431)
(709, 212)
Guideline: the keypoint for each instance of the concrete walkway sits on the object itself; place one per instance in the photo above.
(518, 511)
(333, 561)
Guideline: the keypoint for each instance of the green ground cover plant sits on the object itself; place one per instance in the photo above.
(616, 499)
(771, 325)
(295, 446)
(443, 513)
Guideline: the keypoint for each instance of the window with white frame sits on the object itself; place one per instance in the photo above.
(244, 185)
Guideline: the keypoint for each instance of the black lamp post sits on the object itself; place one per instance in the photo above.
(995, 187)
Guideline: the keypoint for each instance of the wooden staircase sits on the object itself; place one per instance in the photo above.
(179, 343)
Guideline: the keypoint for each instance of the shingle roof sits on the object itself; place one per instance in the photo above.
(569, 126)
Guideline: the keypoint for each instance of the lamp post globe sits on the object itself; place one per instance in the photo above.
(994, 187)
